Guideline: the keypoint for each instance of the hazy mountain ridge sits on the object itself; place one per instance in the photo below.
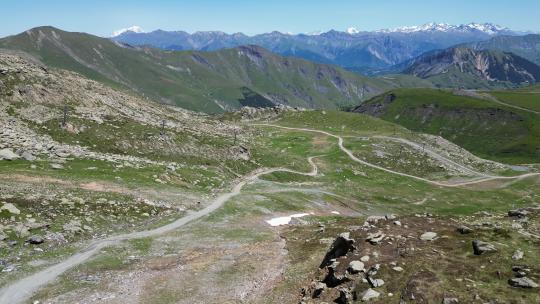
(353, 49)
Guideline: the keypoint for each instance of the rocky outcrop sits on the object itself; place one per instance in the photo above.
(340, 247)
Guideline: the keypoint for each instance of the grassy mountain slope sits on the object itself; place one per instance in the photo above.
(202, 81)
(469, 68)
(526, 98)
(484, 127)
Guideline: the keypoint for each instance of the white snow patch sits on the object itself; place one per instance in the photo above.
(352, 30)
(135, 29)
(284, 220)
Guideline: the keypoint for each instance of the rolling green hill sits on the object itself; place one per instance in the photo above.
(202, 81)
(484, 127)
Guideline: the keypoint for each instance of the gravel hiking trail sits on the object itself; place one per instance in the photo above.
(23, 289)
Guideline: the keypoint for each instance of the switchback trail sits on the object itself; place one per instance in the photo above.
(482, 179)
(23, 289)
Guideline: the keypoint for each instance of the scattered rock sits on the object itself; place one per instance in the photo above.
(518, 213)
(375, 238)
(35, 240)
(375, 282)
(355, 267)
(398, 269)
(464, 229)
(375, 218)
(518, 255)
(57, 166)
(522, 282)
(364, 258)
(390, 217)
(28, 156)
(10, 208)
(369, 294)
(397, 223)
(332, 279)
(345, 296)
(8, 154)
(481, 247)
(318, 289)
(340, 247)
(450, 301)
(428, 236)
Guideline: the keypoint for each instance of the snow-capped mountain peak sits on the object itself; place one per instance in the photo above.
(488, 28)
(135, 29)
(352, 30)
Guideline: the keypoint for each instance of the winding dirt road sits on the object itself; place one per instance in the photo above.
(482, 179)
(20, 291)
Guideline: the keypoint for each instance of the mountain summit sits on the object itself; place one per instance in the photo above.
(132, 29)
(486, 28)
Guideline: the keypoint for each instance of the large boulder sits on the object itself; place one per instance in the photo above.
(340, 247)
(523, 282)
(8, 154)
(481, 247)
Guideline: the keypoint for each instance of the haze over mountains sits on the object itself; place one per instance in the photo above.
(354, 49)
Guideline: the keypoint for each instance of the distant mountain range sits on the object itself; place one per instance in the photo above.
(223, 75)
(202, 81)
(353, 49)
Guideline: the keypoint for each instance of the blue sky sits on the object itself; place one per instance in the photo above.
(256, 16)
